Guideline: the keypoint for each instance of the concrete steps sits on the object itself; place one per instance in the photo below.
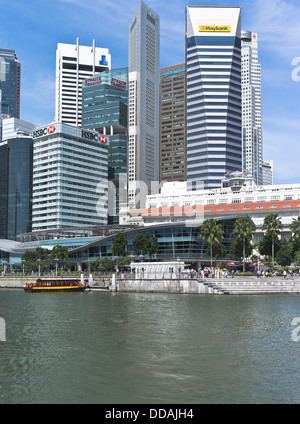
(252, 286)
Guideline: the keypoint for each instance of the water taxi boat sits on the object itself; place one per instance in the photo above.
(55, 285)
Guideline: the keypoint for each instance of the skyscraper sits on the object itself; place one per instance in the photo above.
(74, 64)
(104, 109)
(143, 107)
(172, 123)
(14, 127)
(213, 60)
(69, 177)
(15, 186)
(251, 107)
(10, 82)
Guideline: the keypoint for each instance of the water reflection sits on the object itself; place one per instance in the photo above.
(148, 348)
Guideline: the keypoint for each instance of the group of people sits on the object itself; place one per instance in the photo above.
(208, 272)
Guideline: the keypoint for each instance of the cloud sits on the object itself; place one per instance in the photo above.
(277, 23)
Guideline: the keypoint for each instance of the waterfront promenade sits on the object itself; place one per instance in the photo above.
(215, 286)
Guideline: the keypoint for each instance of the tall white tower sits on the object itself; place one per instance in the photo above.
(143, 104)
(74, 64)
(251, 107)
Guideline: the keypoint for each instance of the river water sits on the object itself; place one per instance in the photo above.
(136, 348)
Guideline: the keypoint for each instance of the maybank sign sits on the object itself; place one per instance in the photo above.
(214, 28)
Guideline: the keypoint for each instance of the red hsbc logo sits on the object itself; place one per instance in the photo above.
(51, 129)
(102, 139)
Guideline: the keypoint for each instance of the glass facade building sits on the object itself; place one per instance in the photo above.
(176, 240)
(172, 123)
(15, 187)
(214, 126)
(104, 109)
(69, 177)
(10, 84)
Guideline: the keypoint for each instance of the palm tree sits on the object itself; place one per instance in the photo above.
(295, 228)
(244, 229)
(295, 238)
(212, 233)
(272, 224)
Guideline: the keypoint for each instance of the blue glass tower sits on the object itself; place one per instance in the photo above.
(16, 158)
(10, 80)
(104, 109)
(213, 61)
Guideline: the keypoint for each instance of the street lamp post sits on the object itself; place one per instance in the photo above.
(56, 261)
(39, 262)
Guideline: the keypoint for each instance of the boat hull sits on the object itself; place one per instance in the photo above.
(54, 289)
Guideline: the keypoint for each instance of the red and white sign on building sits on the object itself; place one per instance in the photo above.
(51, 129)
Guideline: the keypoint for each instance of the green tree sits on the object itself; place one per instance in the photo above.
(36, 259)
(105, 264)
(284, 256)
(265, 246)
(60, 253)
(244, 230)
(141, 243)
(123, 262)
(272, 225)
(212, 233)
(154, 245)
(295, 235)
(238, 247)
(144, 244)
(296, 257)
(219, 250)
(119, 245)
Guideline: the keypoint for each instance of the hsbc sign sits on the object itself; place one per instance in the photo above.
(93, 136)
(102, 139)
(43, 131)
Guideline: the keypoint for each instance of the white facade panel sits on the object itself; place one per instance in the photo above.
(74, 64)
(143, 103)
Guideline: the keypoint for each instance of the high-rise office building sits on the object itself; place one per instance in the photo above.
(104, 109)
(69, 177)
(172, 123)
(143, 107)
(15, 186)
(251, 107)
(10, 83)
(267, 172)
(213, 61)
(74, 64)
(14, 127)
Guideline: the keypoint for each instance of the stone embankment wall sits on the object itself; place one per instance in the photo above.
(169, 286)
(16, 282)
(242, 285)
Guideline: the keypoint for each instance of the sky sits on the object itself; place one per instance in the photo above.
(34, 27)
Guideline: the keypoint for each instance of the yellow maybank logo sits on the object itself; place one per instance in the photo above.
(215, 28)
